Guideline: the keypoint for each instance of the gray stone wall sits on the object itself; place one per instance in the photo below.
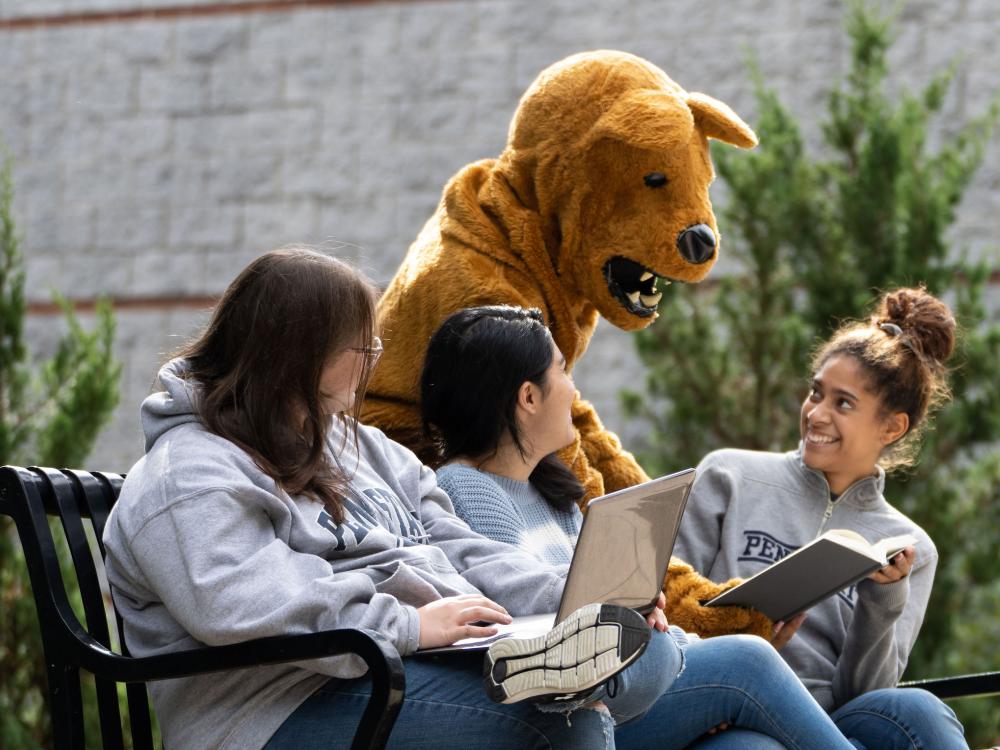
(156, 153)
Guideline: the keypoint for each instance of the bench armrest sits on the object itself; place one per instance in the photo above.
(963, 686)
(383, 661)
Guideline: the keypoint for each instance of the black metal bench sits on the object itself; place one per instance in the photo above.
(31, 497)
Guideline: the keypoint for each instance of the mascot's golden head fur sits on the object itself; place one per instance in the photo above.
(598, 202)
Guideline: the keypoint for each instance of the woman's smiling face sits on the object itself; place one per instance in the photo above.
(842, 425)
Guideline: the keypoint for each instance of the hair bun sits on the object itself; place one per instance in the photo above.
(926, 321)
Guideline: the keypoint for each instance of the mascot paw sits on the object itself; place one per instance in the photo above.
(685, 589)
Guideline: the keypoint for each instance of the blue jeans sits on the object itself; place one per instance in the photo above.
(636, 688)
(740, 680)
(445, 707)
(735, 679)
(890, 719)
(900, 719)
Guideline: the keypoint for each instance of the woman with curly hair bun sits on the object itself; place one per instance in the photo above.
(874, 387)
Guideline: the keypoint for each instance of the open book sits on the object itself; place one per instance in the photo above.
(828, 564)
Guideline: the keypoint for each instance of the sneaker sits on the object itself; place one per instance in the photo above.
(579, 654)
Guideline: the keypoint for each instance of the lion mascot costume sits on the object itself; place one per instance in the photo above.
(599, 201)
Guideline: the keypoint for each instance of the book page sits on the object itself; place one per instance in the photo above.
(881, 551)
(852, 540)
(893, 545)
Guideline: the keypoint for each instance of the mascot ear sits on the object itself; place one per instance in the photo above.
(716, 120)
(647, 119)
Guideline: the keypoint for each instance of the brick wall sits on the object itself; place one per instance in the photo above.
(159, 145)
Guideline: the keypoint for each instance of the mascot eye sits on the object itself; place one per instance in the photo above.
(655, 179)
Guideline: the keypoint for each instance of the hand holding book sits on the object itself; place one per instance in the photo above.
(832, 562)
(898, 568)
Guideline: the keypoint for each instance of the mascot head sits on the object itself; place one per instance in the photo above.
(613, 155)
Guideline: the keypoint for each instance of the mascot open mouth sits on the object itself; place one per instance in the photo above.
(633, 285)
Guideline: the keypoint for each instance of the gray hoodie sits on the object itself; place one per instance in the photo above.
(748, 509)
(204, 548)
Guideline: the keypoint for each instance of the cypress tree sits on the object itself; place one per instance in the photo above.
(50, 414)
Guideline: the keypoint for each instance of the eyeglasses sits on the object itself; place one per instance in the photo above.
(373, 352)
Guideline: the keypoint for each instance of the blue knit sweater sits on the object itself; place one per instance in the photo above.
(511, 511)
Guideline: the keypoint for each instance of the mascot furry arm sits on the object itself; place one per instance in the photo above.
(600, 194)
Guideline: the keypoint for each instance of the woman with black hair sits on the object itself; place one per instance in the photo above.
(513, 411)
(496, 399)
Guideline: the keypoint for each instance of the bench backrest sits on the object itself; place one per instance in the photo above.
(39, 501)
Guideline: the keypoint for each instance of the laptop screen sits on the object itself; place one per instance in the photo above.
(625, 545)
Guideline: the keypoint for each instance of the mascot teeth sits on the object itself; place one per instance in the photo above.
(633, 285)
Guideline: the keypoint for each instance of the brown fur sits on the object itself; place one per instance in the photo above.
(535, 227)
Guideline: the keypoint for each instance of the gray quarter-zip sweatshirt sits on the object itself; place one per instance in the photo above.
(204, 548)
(749, 509)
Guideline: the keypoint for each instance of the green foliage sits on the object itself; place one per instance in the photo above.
(816, 234)
(50, 415)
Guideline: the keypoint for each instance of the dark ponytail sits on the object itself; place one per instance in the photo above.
(476, 363)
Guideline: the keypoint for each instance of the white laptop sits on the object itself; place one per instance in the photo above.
(621, 556)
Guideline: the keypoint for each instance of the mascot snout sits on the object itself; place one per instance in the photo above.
(697, 244)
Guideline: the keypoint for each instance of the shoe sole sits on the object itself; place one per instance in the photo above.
(580, 653)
